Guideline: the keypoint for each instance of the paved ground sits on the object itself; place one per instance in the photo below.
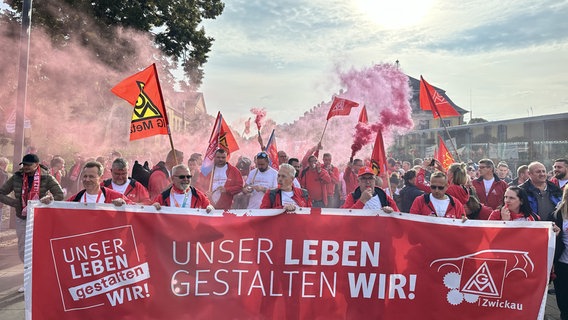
(12, 275)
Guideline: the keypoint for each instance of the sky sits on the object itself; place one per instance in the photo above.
(499, 59)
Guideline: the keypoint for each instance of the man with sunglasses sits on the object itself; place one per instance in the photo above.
(438, 203)
(260, 180)
(181, 194)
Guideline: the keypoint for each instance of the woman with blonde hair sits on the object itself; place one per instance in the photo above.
(457, 179)
(560, 217)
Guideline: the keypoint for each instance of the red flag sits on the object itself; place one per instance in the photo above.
(363, 115)
(379, 156)
(142, 90)
(443, 155)
(430, 99)
(272, 151)
(221, 138)
(341, 107)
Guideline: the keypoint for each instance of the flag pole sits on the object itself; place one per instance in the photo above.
(325, 127)
(165, 113)
(441, 120)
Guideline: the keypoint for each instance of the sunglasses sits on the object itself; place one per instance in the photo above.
(183, 176)
(262, 155)
(437, 187)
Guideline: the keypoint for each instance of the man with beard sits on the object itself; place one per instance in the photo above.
(559, 170)
(543, 194)
(295, 162)
(222, 183)
(181, 194)
(260, 180)
(31, 182)
(129, 187)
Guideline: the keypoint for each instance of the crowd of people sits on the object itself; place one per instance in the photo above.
(480, 191)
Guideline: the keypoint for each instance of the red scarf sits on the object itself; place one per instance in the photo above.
(30, 193)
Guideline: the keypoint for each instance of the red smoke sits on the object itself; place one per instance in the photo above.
(260, 114)
(383, 88)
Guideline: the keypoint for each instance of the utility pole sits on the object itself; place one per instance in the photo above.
(22, 81)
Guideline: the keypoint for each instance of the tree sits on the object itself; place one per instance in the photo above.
(97, 26)
(477, 120)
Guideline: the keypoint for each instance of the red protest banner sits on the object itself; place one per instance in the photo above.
(127, 263)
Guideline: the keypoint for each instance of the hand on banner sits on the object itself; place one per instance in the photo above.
(387, 209)
(209, 209)
(555, 229)
(289, 208)
(157, 205)
(47, 199)
(118, 202)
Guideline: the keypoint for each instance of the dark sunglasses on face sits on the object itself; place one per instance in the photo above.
(184, 176)
(437, 187)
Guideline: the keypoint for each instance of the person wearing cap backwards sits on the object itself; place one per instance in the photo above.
(31, 182)
(367, 195)
(94, 192)
(181, 194)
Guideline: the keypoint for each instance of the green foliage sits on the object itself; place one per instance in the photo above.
(95, 25)
(477, 120)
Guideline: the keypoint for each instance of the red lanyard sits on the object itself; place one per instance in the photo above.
(98, 196)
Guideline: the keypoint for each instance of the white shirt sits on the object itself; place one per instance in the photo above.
(92, 198)
(561, 183)
(180, 200)
(120, 188)
(441, 206)
(219, 180)
(373, 203)
(287, 198)
(267, 179)
(488, 184)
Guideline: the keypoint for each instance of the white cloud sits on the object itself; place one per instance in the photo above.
(497, 56)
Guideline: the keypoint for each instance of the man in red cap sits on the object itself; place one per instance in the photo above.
(367, 195)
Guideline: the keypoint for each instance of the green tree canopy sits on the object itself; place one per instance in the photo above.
(174, 24)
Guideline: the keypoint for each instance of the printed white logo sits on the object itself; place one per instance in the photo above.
(484, 273)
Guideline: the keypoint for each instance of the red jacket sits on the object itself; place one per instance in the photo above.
(233, 185)
(107, 192)
(421, 181)
(315, 183)
(350, 179)
(458, 192)
(158, 182)
(495, 197)
(496, 215)
(352, 200)
(301, 199)
(198, 198)
(334, 179)
(419, 206)
(557, 183)
(135, 191)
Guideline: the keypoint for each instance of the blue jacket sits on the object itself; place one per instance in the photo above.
(554, 193)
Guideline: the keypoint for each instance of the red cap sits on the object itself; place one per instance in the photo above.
(365, 170)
